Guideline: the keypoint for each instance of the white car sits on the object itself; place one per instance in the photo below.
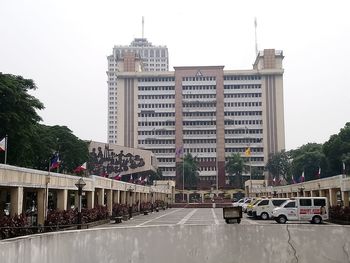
(313, 209)
(263, 208)
(246, 203)
(239, 202)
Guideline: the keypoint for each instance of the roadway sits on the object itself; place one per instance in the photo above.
(188, 216)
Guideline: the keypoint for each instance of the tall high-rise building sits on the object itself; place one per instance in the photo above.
(206, 111)
(154, 58)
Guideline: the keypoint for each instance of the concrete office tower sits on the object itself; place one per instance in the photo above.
(150, 58)
(206, 111)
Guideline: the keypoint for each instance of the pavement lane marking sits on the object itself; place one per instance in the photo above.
(215, 217)
(188, 216)
(159, 217)
(252, 222)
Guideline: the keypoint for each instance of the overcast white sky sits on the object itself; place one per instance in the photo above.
(63, 45)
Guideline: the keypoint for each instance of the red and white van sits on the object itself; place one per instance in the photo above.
(313, 209)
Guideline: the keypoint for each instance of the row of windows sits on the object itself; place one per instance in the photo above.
(203, 132)
(156, 97)
(193, 114)
(199, 141)
(245, 140)
(207, 168)
(243, 131)
(196, 123)
(161, 132)
(149, 52)
(153, 141)
(167, 169)
(154, 106)
(141, 88)
(198, 78)
(199, 96)
(249, 77)
(201, 87)
(160, 79)
(164, 150)
(157, 114)
(242, 150)
(195, 104)
(166, 160)
(157, 123)
(242, 86)
(242, 122)
(243, 95)
(243, 113)
(243, 104)
(200, 150)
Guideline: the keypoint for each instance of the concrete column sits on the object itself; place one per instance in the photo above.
(62, 196)
(109, 200)
(332, 197)
(321, 193)
(124, 196)
(139, 199)
(100, 196)
(41, 205)
(202, 198)
(16, 194)
(90, 196)
(188, 198)
(345, 198)
(116, 197)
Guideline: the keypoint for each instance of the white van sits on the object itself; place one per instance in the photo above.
(313, 209)
(264, 207)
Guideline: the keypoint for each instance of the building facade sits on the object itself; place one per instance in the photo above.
(206, 111)
(154, 58)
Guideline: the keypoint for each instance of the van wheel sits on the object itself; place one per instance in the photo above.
(316, 220)
(264, 216)
(282, 219)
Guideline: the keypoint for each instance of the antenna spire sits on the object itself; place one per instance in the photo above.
(256, 38)
(143, 26)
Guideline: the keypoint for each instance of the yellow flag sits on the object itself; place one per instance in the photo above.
(247, 152)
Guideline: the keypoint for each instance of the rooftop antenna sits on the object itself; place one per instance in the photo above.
(256, 38)
(143, 26)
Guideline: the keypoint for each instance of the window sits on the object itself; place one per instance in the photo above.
(278, 202)
(290, 205)
(319, 202)
(263, 202)
(305, 202)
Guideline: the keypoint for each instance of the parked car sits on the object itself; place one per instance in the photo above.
(313, 209)
(264, 207)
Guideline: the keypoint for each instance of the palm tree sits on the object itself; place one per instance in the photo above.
(234, 167)
(190, 169)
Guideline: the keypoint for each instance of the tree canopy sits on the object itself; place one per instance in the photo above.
(234, 167)
(31, 144)
(190, 168)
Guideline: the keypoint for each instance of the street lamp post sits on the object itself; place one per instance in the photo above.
(80, 184)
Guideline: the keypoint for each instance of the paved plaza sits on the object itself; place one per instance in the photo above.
(188, 216)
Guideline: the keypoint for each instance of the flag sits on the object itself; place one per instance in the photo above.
(80, 168)
(344, 168)
(131, 179)
(293, 180)
(302, 178)
(319, 173)
(55, 161)
(247, 152)
(274, 180)
(3, 144)
(118, 177)
(179, 152)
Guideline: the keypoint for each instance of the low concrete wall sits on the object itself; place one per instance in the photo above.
(184, 243)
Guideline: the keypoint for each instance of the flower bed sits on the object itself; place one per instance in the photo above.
(15, 226)
(339, 214)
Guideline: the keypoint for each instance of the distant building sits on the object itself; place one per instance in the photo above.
(154, 58)
(206, 111)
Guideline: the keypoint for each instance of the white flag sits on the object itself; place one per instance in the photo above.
(3, 144)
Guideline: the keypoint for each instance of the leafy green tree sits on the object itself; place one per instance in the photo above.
(308, 158)
(18, 117)
(190, 168)
(155, 176)
(279, 167)
(336, 149)
(234, 167)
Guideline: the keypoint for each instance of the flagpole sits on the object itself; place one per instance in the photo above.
(6, 138)
(183, 176)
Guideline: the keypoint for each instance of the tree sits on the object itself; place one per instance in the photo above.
(190, 168)
(308, 159)
(18, 117)
(154, 176)
(234, 168)
(336, 149)
(279, 167)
